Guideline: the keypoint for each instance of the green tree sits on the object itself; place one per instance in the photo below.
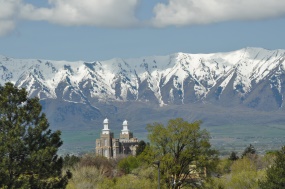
(70, 160)
(28, 149)
(249, 150)
(275, 174)
(184, 152)
(233, 156)
(140, 148)
(244, 174)
(128, 164)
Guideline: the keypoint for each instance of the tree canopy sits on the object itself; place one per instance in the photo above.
(249, 150)
(141, 147)
(275, 174)
(184, 152)
(233, 156)
(28, 148)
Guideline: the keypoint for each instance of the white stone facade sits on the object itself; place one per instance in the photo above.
(111, 147)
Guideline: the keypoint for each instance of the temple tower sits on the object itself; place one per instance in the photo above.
(111, 147)
(104, 143)
(125, 133)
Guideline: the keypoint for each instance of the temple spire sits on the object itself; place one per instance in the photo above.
(106, 129)
(125, 127)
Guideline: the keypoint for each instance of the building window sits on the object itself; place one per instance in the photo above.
(106, 153)
(105, 142)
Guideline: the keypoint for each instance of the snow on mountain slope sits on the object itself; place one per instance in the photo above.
(177, 78)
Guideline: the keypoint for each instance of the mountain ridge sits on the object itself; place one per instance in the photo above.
(131, 79)
(242, 87)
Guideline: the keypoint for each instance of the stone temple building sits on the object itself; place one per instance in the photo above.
(111, 147)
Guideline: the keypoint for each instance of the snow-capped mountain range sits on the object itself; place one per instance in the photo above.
(240, 90)
(179, 78)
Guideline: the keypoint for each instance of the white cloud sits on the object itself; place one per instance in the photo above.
(101, 13)
(6, 26)
(122, 13)
(188, 12)
(8, 10)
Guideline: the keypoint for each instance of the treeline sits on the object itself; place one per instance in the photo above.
(178, 155)
(91, 171)
(250, 171)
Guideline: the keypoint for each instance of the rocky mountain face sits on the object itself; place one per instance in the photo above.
(219, 88)
(252, 77)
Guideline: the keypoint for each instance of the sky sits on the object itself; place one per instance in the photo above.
(92, 30)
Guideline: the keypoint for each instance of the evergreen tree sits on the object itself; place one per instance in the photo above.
(28, 149)
(233, 156)
(250, 150)
(275, 174)
(140, 148)
(70, 161)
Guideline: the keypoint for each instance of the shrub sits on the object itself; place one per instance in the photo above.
(128, 164)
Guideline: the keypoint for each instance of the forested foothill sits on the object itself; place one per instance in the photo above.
(177, 155)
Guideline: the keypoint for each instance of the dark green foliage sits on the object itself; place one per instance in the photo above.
(272, 152)
(70, 160)
(275, 175)
(250, 150)
(140, 148)
(184, 152)
(28, 148)
(128, 164)
(233, 156)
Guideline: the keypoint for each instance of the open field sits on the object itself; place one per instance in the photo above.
(237, 137)
(225, 138)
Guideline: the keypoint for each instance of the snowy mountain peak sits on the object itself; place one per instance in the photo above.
(177, 78)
